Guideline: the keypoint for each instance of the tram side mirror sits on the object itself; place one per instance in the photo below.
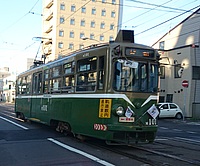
(116, 50)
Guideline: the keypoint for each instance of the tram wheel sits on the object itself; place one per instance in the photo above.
(63, 127)
(20, 115)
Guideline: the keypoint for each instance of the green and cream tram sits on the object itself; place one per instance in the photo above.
(107, 91)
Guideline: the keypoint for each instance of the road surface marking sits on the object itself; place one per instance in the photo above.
(80, 152)
(186, 139)
(25, 128)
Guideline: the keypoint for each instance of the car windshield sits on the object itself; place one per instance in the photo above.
(135, 76)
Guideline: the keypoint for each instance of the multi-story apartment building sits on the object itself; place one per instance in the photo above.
(180, 65)
(69, 25)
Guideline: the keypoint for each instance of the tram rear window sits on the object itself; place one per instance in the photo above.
(139, 52)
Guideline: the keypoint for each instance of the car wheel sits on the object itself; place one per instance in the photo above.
(179, 116)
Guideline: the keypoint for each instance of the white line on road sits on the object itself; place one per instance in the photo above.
(80, 152)
(186, 139)
(25, 128)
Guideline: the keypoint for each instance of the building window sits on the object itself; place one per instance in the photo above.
(92, 36)
(61, 33)
(71, 46)
(83, 9)
(62, 20)
(195, 72)
(82, 23)
(111, 38)
(162, 72)
(178, 71)
(101, 37)
(103, 12)
(71, 34)
(60, 45)
(162, 45)
(161, 99)
(72, 21)
(62, 6)
(82, 35)
(93, 0)
(73, 8)
(102, 26)
(113, 14)
(81, 46)
(113, 1)
(111, 26)
(169, 98)
(93, 11)
(103, 1)
(92, 24)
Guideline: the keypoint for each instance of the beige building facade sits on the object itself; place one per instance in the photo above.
(69, 25)
(180, 65)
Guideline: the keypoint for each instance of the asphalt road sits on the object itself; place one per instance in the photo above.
(36, 144)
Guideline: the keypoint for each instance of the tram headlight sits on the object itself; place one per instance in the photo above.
(120, 111)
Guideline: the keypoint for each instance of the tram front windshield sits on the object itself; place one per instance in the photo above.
(137, 77)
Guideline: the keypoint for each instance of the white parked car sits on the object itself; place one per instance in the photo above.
(169, 110)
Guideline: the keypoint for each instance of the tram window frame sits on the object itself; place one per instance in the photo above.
(69, 68)
(37, 83)
(24, 85)
(55, 82)
(68, 77)
(56, 71)
(101, 73)
(87, 74)
(46, 81)
(28, 86)
(19, 91)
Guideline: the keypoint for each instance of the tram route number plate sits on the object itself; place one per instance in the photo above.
(125, 119)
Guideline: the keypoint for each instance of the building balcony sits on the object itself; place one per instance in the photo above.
(49, 3)
(49, 16)
(48, 30)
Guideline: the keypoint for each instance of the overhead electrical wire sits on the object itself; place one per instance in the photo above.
(151, 4)
(150, 9)
(167, 21)
(10, 26)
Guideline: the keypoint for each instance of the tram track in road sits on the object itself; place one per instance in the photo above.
(151, 154)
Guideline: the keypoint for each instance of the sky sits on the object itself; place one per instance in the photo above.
(21, 22)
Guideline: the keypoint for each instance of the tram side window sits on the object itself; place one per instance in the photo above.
(87, 77)
(69, 68)
(56, 80)
(55, 84)
(86, 81)
(23, 85)
(68, 79)
(19, 87)
(101, 73)
(28, 86)
(37, 83)
(46, 81)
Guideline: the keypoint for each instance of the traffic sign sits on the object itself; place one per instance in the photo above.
(185, 83)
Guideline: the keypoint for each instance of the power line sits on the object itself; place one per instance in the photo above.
(10, 26)
(167, 20)
(151, 4)
(158, 16)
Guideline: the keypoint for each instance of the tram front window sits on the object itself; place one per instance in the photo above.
(138, 77)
